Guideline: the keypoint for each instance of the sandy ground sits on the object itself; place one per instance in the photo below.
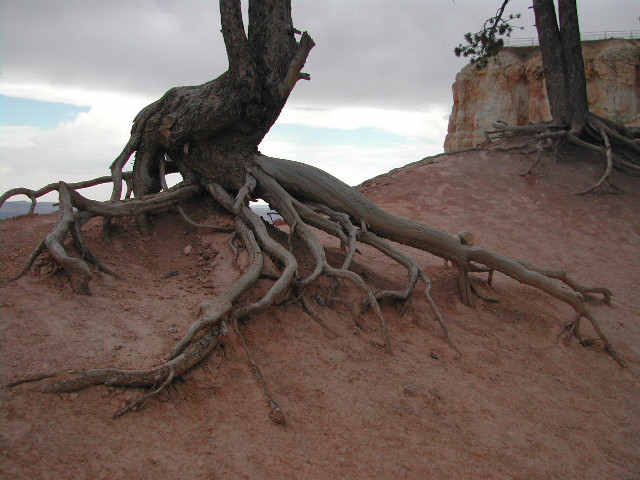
(517, 405)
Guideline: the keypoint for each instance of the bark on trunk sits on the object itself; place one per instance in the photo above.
(210, 129)
(561, 49)
(576, 77)
(552, 59)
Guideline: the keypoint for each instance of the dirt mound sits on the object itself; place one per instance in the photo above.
(515, 405)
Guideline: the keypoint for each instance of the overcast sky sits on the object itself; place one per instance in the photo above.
(75, 73)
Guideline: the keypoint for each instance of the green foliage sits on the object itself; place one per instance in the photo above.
(485, 44)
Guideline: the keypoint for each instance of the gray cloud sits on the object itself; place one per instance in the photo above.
(388, 53)
(369, 52)
(137, 47)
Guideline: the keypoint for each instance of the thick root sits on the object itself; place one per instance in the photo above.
(191, 355)
(317, 186)
(76, 269)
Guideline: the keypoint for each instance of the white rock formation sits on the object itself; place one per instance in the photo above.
(512, 89)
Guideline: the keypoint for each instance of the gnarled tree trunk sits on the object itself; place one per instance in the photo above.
(213, 130)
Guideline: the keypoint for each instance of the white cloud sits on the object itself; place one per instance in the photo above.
(351, 163)
(427, 122)
(420, 133)
(17, 137)
(74, 150)
(120, 103)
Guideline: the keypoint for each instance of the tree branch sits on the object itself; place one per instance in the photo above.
(241, 64)
(293, 74)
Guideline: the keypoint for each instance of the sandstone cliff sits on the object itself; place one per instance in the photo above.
(512, 89)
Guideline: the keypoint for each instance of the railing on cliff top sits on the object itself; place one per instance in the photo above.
(586, 36)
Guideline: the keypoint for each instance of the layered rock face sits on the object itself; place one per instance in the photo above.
(512, 89)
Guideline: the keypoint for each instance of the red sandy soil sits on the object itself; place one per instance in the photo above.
(516, 405)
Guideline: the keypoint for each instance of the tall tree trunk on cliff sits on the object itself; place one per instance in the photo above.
(576, 75)
(559, 37)
(210, 134)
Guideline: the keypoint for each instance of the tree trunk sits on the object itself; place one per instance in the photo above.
(210, 130)
(576, 76)
(552, 59)
(561, 51)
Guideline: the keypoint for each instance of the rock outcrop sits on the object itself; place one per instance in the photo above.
(512, 89)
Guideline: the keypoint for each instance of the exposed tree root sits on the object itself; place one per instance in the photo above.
(32, 378)
(619, 145)
(215, 228)
(570, 282)
(276, 414)
(52, 187)
(305, 197)
(304, 301)
(32, 258)
(539, 151)
(474, 290)
(139, 402)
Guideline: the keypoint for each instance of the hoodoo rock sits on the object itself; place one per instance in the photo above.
(512, 89)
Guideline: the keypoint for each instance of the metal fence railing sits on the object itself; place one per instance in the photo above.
(585, 36)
